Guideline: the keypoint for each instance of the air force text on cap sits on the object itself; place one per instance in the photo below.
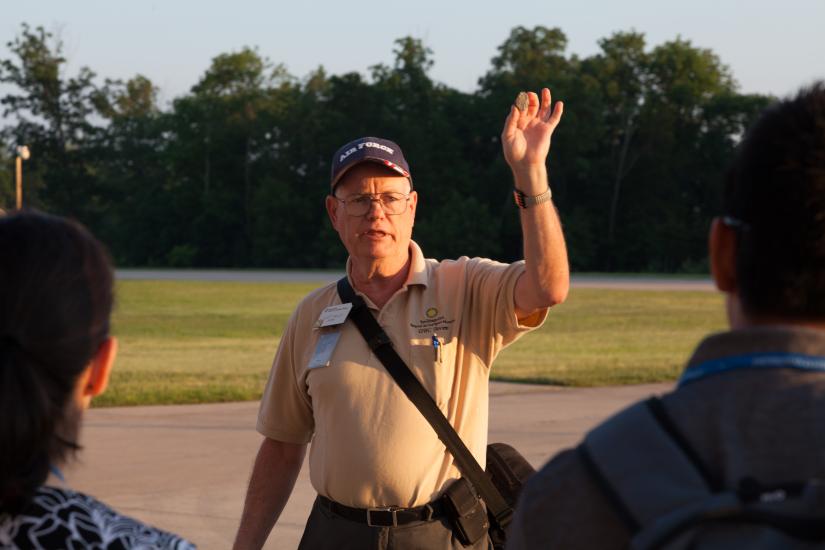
(358, 146)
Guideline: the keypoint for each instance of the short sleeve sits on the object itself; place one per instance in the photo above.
(285, 413)
(491, 306)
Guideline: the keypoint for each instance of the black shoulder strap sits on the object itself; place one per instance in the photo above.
(381, 346)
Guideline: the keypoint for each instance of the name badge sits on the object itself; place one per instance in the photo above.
(333, 315)
(323, 349)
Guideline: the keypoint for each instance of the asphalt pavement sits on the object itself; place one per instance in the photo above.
(184, 468)
(585, 280)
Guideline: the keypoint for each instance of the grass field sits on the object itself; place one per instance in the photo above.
(196, 342)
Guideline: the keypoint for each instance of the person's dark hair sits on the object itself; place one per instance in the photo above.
(776, 188)
(56, 294)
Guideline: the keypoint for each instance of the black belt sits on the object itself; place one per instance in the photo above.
(391, 516)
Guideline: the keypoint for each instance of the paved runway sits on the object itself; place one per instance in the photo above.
(630, 282)
(185, 467)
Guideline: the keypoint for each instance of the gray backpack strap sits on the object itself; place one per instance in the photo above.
(640, 465)
(661, 489)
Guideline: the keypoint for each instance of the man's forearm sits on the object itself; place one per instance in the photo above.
(546, 280)
(273, 477)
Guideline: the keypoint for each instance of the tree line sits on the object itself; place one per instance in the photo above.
(234, 172)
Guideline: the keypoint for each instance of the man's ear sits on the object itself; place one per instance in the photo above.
(413, 203)
(722, 249)
(100, 368)
(332, 210)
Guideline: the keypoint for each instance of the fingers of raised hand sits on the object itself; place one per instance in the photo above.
(555, 116)
(532, 108)
(532, 104)
(544, 111)
(511, 122)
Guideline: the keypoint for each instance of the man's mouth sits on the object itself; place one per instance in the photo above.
(374, 234)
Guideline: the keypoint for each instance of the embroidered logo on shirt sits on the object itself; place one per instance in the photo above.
(433, 321)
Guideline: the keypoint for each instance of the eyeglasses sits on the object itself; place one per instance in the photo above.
(391, 203)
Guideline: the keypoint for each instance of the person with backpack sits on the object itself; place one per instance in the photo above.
(734, 457)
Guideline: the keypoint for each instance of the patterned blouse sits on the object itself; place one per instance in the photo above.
(65, 519)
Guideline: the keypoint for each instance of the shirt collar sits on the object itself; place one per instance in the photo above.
(418, 267)
(417, 274)
(761, 339)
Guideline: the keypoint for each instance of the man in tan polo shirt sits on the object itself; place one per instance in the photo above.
(371, 448)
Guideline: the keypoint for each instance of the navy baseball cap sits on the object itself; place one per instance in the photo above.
(368, 149)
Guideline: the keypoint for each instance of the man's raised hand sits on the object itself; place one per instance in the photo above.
(526, 135)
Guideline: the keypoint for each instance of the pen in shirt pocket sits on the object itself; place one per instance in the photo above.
(437, 348)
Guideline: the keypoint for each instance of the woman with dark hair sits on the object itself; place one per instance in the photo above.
(56, 294)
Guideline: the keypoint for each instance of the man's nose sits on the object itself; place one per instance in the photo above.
(376, 210)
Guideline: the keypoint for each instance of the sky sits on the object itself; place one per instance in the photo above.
(771, 47)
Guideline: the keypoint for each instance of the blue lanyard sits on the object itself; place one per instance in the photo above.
(753, 361)
(57, 473)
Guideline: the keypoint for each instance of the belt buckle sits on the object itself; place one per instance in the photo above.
(391, 509)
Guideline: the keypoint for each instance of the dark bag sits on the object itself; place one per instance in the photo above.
(500, 486)
(509, 471)
(668, 499)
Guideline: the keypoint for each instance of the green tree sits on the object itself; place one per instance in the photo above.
(686, 140)
(621, 70)
(218, 134)
(7, 192)
(527, 60)
(52, 114)
(234, 173)
(142, 222)
(436, 128)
